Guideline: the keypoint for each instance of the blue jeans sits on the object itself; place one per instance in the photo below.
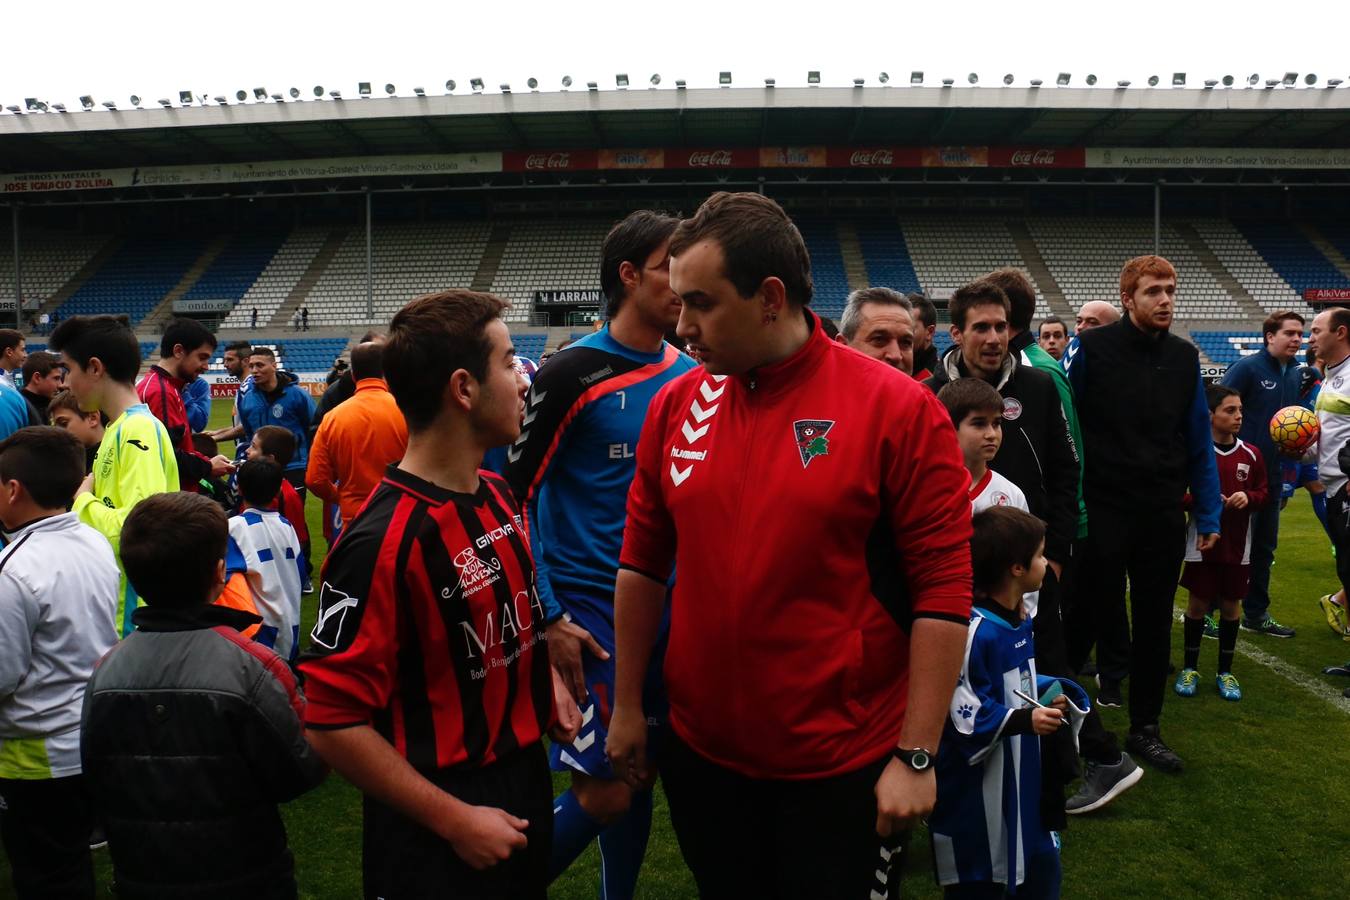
(1265, 528)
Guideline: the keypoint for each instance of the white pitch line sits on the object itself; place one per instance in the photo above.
(1298, 677)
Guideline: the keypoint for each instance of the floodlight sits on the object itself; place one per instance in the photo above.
(185, 98)
(87, 101)
(220, 98)
(318, 90)
(1008, 79)
(859, 82)
(335, 94)
(422, 92)
(948, 82)
(1210, 84)
(241, 96)
(769, 82)
(592, 86)
(973, 78)
(363, 88)
(1253, 79)
(883, 77)
(165, 102)
(295, 93)
(260, 93)
(813, 77)
(532, 84)
(279, 98)
(1123, 83)
(476, 84)
(59, 107)
(135, 101)
(1153, 81)
(1333, 82)
(724, 78)
(679, 84)
(505, 88)
(916, 77)
(450, 86)
(32, 104)
(1272, 83)
(108, 104)
(1290, 79)
(1091, 80)
(1228, 81)
(1178, 79)
(1062, 79)
(654, 80)
(1310, 79)
(1036, 82)
(621, 80)
(566, 82)
(15, 110)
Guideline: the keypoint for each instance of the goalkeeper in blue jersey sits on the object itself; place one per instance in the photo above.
(571, 469)
(990, 750)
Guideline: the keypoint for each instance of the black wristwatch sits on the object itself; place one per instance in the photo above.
(918, 759)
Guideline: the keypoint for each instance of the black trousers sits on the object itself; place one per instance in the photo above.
(45, 826)
(1083, 630)
(757, 838)
(1059, 612)
(1147, 548)
(401, 860)
(1338, 523)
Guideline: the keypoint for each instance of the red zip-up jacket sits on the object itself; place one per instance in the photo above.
(811, 510)
(163, 393)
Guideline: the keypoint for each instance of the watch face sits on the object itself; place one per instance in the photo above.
(919, 760)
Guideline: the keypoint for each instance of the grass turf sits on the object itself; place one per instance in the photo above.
(1242, 821)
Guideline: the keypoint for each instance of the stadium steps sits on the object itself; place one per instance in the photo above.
(556, 335)
(107, 252)
(855, 267)
(282, 317)
(1327, 249)
(157, 317)
(1039, 271)
(1245, 301)
(498, 238)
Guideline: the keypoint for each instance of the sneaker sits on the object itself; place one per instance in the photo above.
(1108, 693)
(1102, 784)
(1228, 686)
(1187, 682)
(307, 588)
(1212, 627)
(97, 838)
(1149, 744)
(1335, 613)
(1268, 626)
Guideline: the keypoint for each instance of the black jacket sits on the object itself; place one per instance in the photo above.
(191, 735)
(1036, 454)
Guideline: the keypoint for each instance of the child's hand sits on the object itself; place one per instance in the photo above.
(1046, 720)
(1237, 501)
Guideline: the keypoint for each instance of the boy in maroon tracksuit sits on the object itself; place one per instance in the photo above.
(1219, 576)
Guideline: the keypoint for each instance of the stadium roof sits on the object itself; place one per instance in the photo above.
(729, 117)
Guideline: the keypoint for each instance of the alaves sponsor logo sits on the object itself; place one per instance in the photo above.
(474, 573)
(511, 620)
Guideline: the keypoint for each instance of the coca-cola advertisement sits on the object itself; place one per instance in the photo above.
(955, 157)
(719, 158)
(549, 160)
(792, 157)
(1037, 157)
(873, 157)
(632, 159)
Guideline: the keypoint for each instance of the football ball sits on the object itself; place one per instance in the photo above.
(1294, 430)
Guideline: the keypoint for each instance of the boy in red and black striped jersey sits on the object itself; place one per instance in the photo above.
(428, 674)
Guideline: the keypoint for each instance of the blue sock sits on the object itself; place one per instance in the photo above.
(1319, 502)
(622, 847)
(573, 831)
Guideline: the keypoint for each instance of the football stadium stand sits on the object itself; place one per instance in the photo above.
(1293, 256)
(949, 251)
(278, 277)
(887, 256)
(827, 266)
(138, 277)
(561, 255)
(50, 259)
(1248, 267)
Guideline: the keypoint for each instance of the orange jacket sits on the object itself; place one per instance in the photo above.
(356, 441)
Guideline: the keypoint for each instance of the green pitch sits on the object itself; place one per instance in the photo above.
(1253, 815)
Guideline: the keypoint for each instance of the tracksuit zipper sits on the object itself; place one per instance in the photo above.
(749, 433)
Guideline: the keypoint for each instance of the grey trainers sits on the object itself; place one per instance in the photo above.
(1102, 784)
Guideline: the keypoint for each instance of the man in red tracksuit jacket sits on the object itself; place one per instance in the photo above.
(813, 503)
(184, 354)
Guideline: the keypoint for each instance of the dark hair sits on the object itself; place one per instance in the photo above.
(1310, 357)
(851, 320)
(1003, 537)
(1021, 295)
(977, 293)
(64, 399)
(204, 444)
(278, 442)
(826, 325)
(263, 351)
(107, 338)
(1053, 320)
(372, 335)
(969, 395)
(758, 241)
(430, 339)
(924, 308)
(1273, 322)
(9, 339)
(39, 362)
(241, 349)
(1215, 394)
(259, 482)
(368, 361)
(631, 241)
(190, 333)
(171, 547)
(1339, 318)
(47, 461)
